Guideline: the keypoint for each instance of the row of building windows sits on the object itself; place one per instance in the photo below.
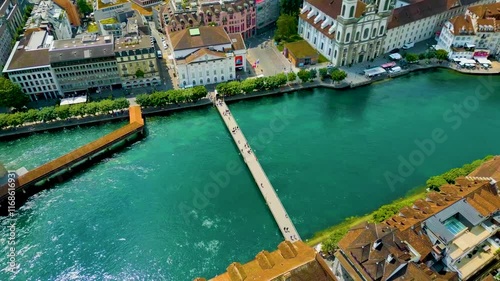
(89, 72)
(84, 66)
(22, 78)
(208, 81)
(31, 90)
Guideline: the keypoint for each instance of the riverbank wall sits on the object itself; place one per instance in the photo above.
(58, 169)
(13, 133)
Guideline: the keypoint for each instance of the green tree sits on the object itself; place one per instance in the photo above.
(3, 120)
(199, 92)
(304, 75)
(286, 27)
(31, 116)
(221, 89)
(62, 111)
(313, 73)
(441, 55)
(77, 109)
(259, 83)
(15, 119)
(84, 7)
(91, 108)
(233, 88)
(411, 57)
(105, 106)
(47, 114)
(435, 182)
(120, 103)
(143, 100)
(248, 85)
(452, 174)
(323, 73)
(139, 73)
(11, 94)
(421, 56)
(291, 76)
(338, 75)
(290, 7)
(430, 55)
(281, 79)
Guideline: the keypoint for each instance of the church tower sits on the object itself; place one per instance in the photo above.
(348, 9)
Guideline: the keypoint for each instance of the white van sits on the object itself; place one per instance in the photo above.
(395, 69)
(408, 45)
(158, 54)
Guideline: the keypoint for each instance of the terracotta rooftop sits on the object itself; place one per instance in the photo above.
(486, 11)
(209, 36)
(73, 16)
(416, 11)
(462, 25)
(330, 8)
(490, 169)
(201, 52)
(380, 251)
(295, 260)
(317, 25)
(237, 41)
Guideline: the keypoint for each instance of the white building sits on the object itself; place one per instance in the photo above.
(347, 31)
(28, 66)
(49, 16)
(476, 33)
(414, 21)
(207, 55)
(85, 65)
(105, 9)
(10, 20)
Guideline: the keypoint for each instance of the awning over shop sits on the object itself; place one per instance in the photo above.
(75, 100)
(374, 71)
(388, 65)
(395, 56)
(482, 60)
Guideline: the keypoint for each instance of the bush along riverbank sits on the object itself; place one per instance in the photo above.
(62, 112)
(172, 96)
(331, 236)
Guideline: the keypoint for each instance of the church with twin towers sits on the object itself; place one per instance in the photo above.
(345, 31)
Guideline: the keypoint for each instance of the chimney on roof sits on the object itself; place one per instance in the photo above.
(390, 258)
(377, 243)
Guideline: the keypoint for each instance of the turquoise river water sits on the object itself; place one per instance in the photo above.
(151, 211)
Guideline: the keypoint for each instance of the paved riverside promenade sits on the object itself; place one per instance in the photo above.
(272, 200)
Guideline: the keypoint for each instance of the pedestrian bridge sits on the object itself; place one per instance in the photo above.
(272, 200)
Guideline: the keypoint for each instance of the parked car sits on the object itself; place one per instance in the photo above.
(158, 54)
(393, 51)
(408, 45)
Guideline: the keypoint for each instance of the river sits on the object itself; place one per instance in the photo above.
(180, 203)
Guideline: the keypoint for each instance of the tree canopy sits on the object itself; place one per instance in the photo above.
(286, 27)
(84, 7)
(290, 7)
(441, 54)
(11, 95)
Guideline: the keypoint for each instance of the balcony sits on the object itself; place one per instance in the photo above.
(467, 241)
(472, 263)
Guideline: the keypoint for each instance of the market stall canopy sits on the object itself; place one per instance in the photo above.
(74, 100)
(395, 56)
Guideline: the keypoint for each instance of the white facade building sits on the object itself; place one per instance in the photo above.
(412, 22)
(207, 55)
(347, 31)
(49, 16)
(28, 66)
(86, 64)
(476, 33)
